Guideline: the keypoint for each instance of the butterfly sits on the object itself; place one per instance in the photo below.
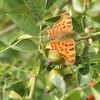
(61, 38)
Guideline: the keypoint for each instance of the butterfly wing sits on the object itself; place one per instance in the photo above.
(64, 46)
(63, 25)
(66, 49)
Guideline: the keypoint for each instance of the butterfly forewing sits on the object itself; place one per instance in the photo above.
(63, 25)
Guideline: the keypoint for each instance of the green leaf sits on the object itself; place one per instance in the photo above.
(77, 26)
(96, 94)
(96, 67)
(50, 3)
(2, 45)
(88, 21)
(14, 36)
(37, 7)
(84, 75)
(53, 19)
(25, 23)
(15, 95)
(1, 3)
(78, 5)
(97, 86)
(59, 82)
(87, 90)
(94, 8)
(74, 95)
(15, 6)
(26, 46)
(4, 56)
(85, 51)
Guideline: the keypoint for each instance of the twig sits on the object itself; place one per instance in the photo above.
(41, 38)
(6, 30)
(87, 37)
(84, 6)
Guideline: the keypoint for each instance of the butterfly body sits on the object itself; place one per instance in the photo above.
(61, 38)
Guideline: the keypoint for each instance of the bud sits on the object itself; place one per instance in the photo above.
(54, 58)
(52, 74)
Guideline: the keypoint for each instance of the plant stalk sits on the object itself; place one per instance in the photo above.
(32, 88)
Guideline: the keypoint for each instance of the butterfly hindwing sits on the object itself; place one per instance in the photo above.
(66, 49)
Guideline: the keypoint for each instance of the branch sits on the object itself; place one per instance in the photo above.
(84, 6)
(6, 30)
(87, 37)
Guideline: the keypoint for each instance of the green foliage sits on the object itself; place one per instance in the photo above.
(26, 23)
(37, 7)
(24, 50)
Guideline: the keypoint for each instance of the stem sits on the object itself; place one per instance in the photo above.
(34, 74)
(32, 88)
(85, 6)
(74, 75)
(88, 36)
(42, 34)
(10, 46)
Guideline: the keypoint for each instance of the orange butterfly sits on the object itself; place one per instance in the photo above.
(61, 38)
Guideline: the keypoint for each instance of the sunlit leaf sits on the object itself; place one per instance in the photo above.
(14, 95)
(25, 45)
(78, 5)
(59, 82)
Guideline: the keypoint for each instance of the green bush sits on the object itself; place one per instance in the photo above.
(24, 70)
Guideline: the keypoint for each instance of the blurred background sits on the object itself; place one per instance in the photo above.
(24, 50)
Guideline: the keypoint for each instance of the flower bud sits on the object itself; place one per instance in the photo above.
(49, 85)
(54, 58)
